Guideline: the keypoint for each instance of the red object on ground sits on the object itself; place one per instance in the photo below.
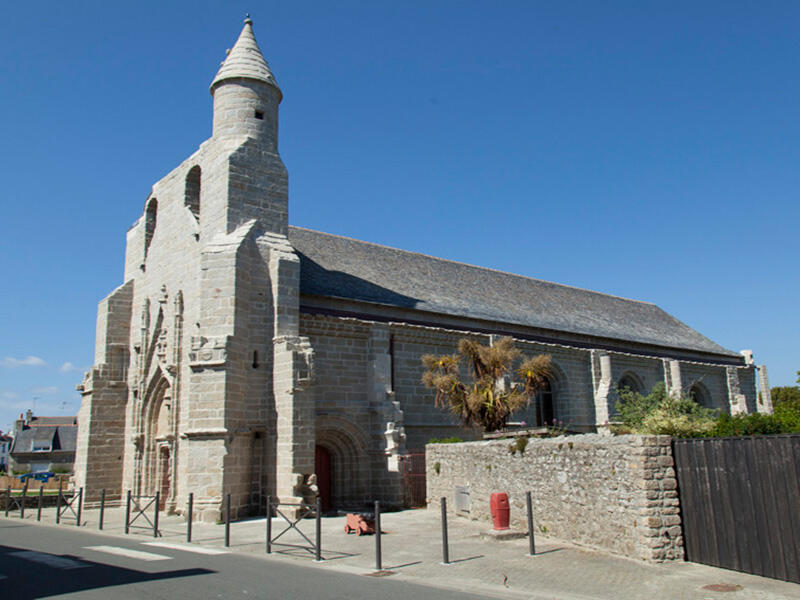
(501, 511)
(359, 523)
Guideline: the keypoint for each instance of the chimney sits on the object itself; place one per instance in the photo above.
(28, 417)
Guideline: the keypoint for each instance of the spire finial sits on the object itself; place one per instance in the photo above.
(247, 19)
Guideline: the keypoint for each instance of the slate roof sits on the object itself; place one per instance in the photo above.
(59, 438)
(340, 267)
(245, 60)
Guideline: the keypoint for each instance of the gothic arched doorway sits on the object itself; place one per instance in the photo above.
(322, 467)
(158, 440)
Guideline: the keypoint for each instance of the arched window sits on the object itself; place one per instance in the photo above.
(545, 414)
(150, 216)
(192, 193)
(539, 413)
(629, 382)
(700, 394)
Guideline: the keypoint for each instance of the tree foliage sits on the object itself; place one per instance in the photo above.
(488, 399)
(785, 395)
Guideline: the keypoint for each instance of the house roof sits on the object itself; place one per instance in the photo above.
(340, 267)
(58, 437)
(50, 421)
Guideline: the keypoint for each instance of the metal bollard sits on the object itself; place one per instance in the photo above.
(128, 514)
(319, 530)
(80, 508)
(39, 510)
(22, 504)
(102, 506)
(8, 498)
(155, 516)
(58, 503)
(189, 520)
(269, 524)
(531, 542)
(445, 549)
(378, 561)
(227, 520)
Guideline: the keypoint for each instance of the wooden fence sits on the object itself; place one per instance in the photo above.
(740, 503)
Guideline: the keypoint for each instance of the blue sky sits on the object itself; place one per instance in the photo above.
(644, 149)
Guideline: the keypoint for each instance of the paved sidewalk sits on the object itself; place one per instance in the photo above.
(412, 551)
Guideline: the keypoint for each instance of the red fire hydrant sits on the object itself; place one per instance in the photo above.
(501, 511)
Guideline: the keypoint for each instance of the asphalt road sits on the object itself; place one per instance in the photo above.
(48, 562)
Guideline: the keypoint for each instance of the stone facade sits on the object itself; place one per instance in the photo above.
(614, 493)
(247, 357)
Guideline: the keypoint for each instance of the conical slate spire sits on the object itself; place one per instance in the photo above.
(245, 60)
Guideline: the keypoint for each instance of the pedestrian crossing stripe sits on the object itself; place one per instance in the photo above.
(49, 560)
(128, 553)
(187, 548)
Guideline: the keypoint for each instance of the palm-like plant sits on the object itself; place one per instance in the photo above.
(489, 399)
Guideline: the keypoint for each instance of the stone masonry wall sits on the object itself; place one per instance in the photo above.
(617, 493)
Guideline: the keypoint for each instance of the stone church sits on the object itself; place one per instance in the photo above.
(241, 355)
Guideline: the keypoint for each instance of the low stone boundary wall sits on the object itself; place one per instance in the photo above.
(616, 493)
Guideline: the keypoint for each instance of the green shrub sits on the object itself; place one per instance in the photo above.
(450, 440)
(785, 419)
(658, 413)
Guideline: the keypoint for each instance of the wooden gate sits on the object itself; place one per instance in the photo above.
(414, 478)
(740, 503)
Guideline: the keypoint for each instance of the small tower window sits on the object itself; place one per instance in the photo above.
(191, 197)
(259, 115)
(150, 223)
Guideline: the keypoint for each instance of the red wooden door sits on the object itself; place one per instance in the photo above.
(322, 466)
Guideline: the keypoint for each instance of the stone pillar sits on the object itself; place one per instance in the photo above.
(736, 399)
(101, 419)
(387, 416)
(292, 373)
(672, 377)
(601, 381)
(765, 401)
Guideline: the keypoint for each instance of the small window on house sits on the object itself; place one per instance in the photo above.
(150, 216)
(192, 194)
(259, 115)
(41, 447)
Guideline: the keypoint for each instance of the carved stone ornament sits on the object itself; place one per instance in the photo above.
(208, 352)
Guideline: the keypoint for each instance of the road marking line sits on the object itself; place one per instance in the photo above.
(50, 560)
(138, 554)
(186, 548)
(3, 577)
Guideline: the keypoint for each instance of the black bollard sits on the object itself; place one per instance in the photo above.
(378, 561)
(319, 529)
(8, 498)
(531, 542)
(102, 506)
(22, 504)
(227, 520)
(445, 549)
(155, 516)
(80, 508)
(189, 520)
(39, 510)
(58, 504)
(128, 514)
(269, 524)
